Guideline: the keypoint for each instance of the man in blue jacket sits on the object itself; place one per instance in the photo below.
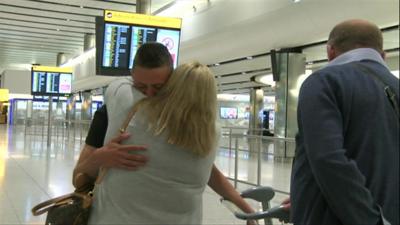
(346, 168)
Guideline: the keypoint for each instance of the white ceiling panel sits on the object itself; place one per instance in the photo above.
(391, 39)
(53, 32)
(39, 49)
(243, 65)
(43, 40)
(46, 20)
(28, 55)
(240, 91)
(246, 91)
(23, 51)
(34, 24)
(61, 6)
(44, 13)
(127, 6)
(125, 1)
(31, 60)
(11, 34)
(41, 45)
(234, 78)
(241, 85)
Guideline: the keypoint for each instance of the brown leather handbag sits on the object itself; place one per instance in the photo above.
(74, 208)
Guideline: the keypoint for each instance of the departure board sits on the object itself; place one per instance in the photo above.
(51, 83)
(39, 82)
(140, 35)
(120, 34)
(116, 39)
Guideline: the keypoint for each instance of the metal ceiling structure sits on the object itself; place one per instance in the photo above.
(235, 34)
(35, 31)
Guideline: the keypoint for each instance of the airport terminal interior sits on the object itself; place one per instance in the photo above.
(260, 52)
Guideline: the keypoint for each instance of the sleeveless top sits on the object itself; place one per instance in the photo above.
(167, 190)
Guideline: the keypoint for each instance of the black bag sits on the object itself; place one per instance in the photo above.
(70, 209)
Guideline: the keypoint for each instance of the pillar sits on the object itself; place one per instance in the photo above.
(290, 66)
(89, 42)
(143, 6)
(255, 129)
(86, 108)
(256, 108)
(61, 58)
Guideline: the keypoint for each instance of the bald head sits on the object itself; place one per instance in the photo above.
(352, 34)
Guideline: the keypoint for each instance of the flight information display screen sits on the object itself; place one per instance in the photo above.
(121, 34)
(51, 83)
(116, 39)
(140, 35)
(121, 43)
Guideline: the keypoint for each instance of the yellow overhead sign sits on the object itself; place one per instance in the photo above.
(142, 19)
(4, 95)
(52, 69)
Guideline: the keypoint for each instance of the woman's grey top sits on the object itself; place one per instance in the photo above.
(167, 190)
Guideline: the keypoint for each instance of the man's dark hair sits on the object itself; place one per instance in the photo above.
(153, 55)
(354, 34)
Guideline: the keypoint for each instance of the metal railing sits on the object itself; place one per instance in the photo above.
(61, 129)
(235, 140)
(239, 140)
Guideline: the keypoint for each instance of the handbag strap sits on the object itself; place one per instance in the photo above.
(122, 129)
(47, 205)
(128, 119)
(86, 198)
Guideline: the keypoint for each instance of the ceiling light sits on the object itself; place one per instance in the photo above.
(216, 64)
(249, 57)
(265, 79)
(81, 6)
(295, 1)
(395, 73)
(295, 91)
(80, 59)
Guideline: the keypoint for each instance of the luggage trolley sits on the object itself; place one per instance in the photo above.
(262, 195)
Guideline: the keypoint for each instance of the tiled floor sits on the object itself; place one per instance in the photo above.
(30, 172)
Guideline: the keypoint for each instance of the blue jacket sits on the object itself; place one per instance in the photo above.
(347, 150)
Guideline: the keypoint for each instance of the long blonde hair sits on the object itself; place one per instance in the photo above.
(186, 109)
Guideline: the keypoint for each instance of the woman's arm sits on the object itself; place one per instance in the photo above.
(220, 184)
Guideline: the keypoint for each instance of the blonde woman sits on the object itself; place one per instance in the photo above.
(178, 128)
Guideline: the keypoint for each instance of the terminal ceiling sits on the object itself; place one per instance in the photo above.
(225, 32)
